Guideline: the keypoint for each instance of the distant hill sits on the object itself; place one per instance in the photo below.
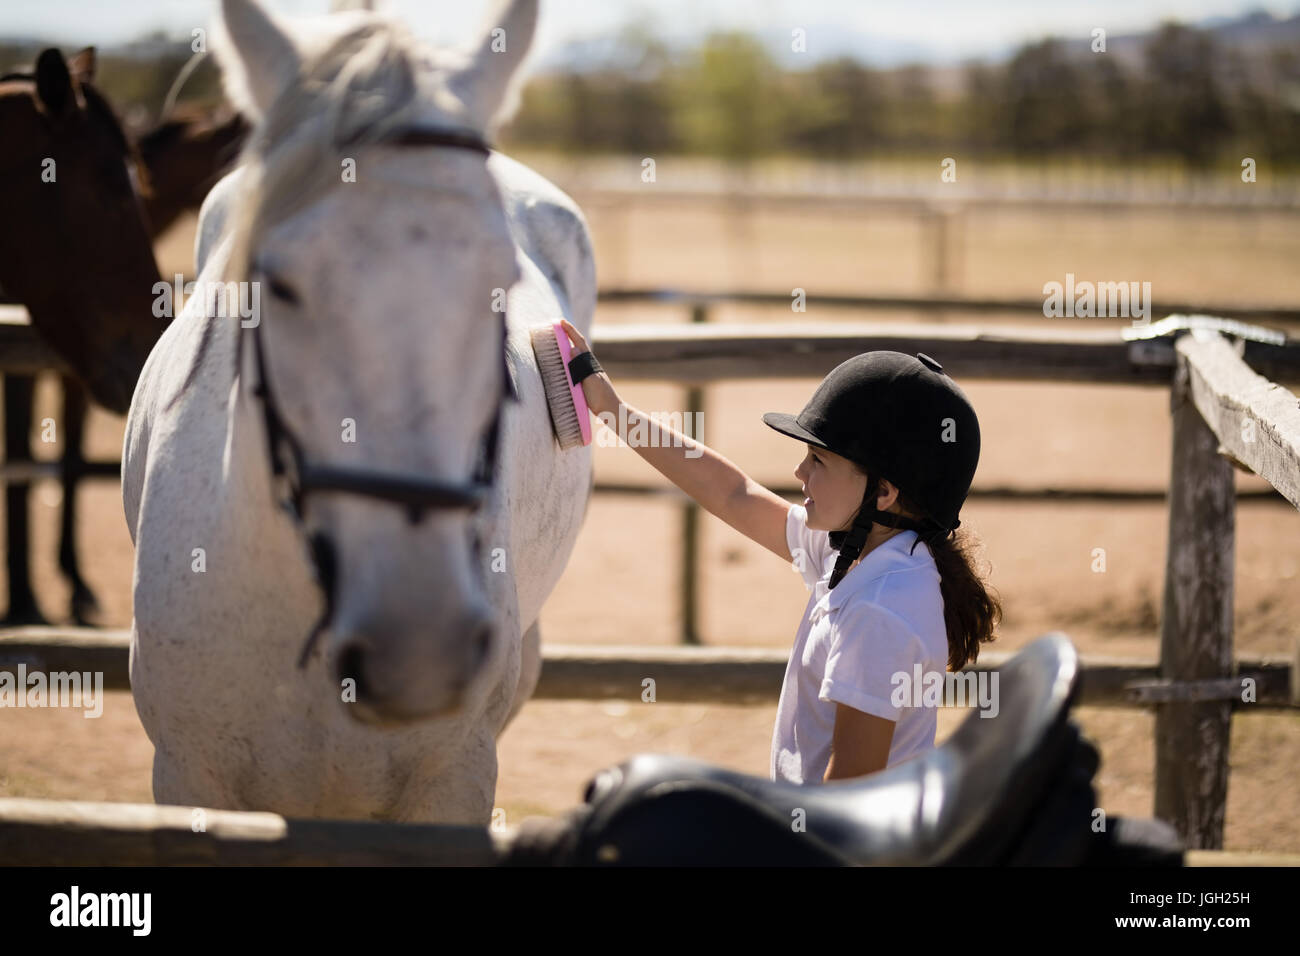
(1254, 36)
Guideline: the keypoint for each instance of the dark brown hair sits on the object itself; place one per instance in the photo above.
(971, 609)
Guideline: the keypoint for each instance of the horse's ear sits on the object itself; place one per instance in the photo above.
(485, 86)
(258, 61)
(53, 82)
(82, 66)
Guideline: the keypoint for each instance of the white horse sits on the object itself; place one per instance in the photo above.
(381, 334)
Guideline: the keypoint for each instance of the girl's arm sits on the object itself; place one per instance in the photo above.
(860, 743)
(716, 483)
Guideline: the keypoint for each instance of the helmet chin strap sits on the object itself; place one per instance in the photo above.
(850, 543)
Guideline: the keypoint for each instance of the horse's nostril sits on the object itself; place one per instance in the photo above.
(350, 662)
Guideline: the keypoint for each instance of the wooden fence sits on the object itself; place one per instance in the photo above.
(1217, 400)
(1223, 413)
(705, 352)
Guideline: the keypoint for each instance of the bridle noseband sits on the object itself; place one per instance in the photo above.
(298, 478)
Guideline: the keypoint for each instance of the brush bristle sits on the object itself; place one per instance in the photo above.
(555, 383)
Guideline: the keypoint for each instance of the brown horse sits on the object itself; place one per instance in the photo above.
(75, 251)
(174, 166)
(185, 155)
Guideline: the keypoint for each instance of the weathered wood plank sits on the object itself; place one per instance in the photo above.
(1256, 421)
(75, 649)
(707, 352)
(1196, 627)
(922, 303)
(83, 833)
(665, 489)
(77, 833)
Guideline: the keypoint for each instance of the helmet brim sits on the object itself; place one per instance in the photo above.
(787, 425)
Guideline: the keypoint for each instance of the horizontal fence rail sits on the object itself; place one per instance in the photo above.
(719, 675)
(988, 492)
(704, 352)
(701, 353)
(924, 303)
(85, 833)
(78, 833)
(869, 188)
(838, 206)
(1257, 422)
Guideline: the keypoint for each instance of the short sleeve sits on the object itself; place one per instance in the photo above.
(809, 549)
(869, 645)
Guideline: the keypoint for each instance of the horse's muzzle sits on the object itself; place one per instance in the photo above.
(391, 680)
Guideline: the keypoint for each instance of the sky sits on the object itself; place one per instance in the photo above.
(884, 32)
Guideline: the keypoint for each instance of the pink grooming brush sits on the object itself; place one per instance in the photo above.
(570, 417)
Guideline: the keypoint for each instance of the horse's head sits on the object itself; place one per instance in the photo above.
(382, 265)
(74, 249)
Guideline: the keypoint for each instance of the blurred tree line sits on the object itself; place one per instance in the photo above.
(1190, 100)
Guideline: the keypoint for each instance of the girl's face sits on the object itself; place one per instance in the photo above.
(834, 489)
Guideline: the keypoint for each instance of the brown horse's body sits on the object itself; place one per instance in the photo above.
(77, 251)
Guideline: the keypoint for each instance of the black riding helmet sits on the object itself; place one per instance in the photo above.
(899, 418)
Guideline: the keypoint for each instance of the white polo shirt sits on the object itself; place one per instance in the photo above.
(884, 617)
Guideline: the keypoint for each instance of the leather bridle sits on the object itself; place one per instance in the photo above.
(298, 478)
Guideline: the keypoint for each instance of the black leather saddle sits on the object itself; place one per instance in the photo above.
(1014, 789)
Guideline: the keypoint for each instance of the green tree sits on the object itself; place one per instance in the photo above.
(729, 98)
(1184, 111)
(1045, 100)
(837, 110)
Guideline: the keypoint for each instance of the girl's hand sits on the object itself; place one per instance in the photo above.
(596, 388)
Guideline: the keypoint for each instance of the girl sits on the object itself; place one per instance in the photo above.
(892, 445)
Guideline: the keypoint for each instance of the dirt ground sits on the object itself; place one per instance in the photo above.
(620, 584)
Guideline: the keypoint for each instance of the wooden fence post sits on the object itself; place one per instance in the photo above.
(1196, 629)
(691, 515)
(19, 402)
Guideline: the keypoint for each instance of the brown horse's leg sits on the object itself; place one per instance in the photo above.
(84, 604)
(19, 390)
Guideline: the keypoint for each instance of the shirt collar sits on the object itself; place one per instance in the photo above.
(886, 557)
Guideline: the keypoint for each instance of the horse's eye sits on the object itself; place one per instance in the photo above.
(280, 289)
